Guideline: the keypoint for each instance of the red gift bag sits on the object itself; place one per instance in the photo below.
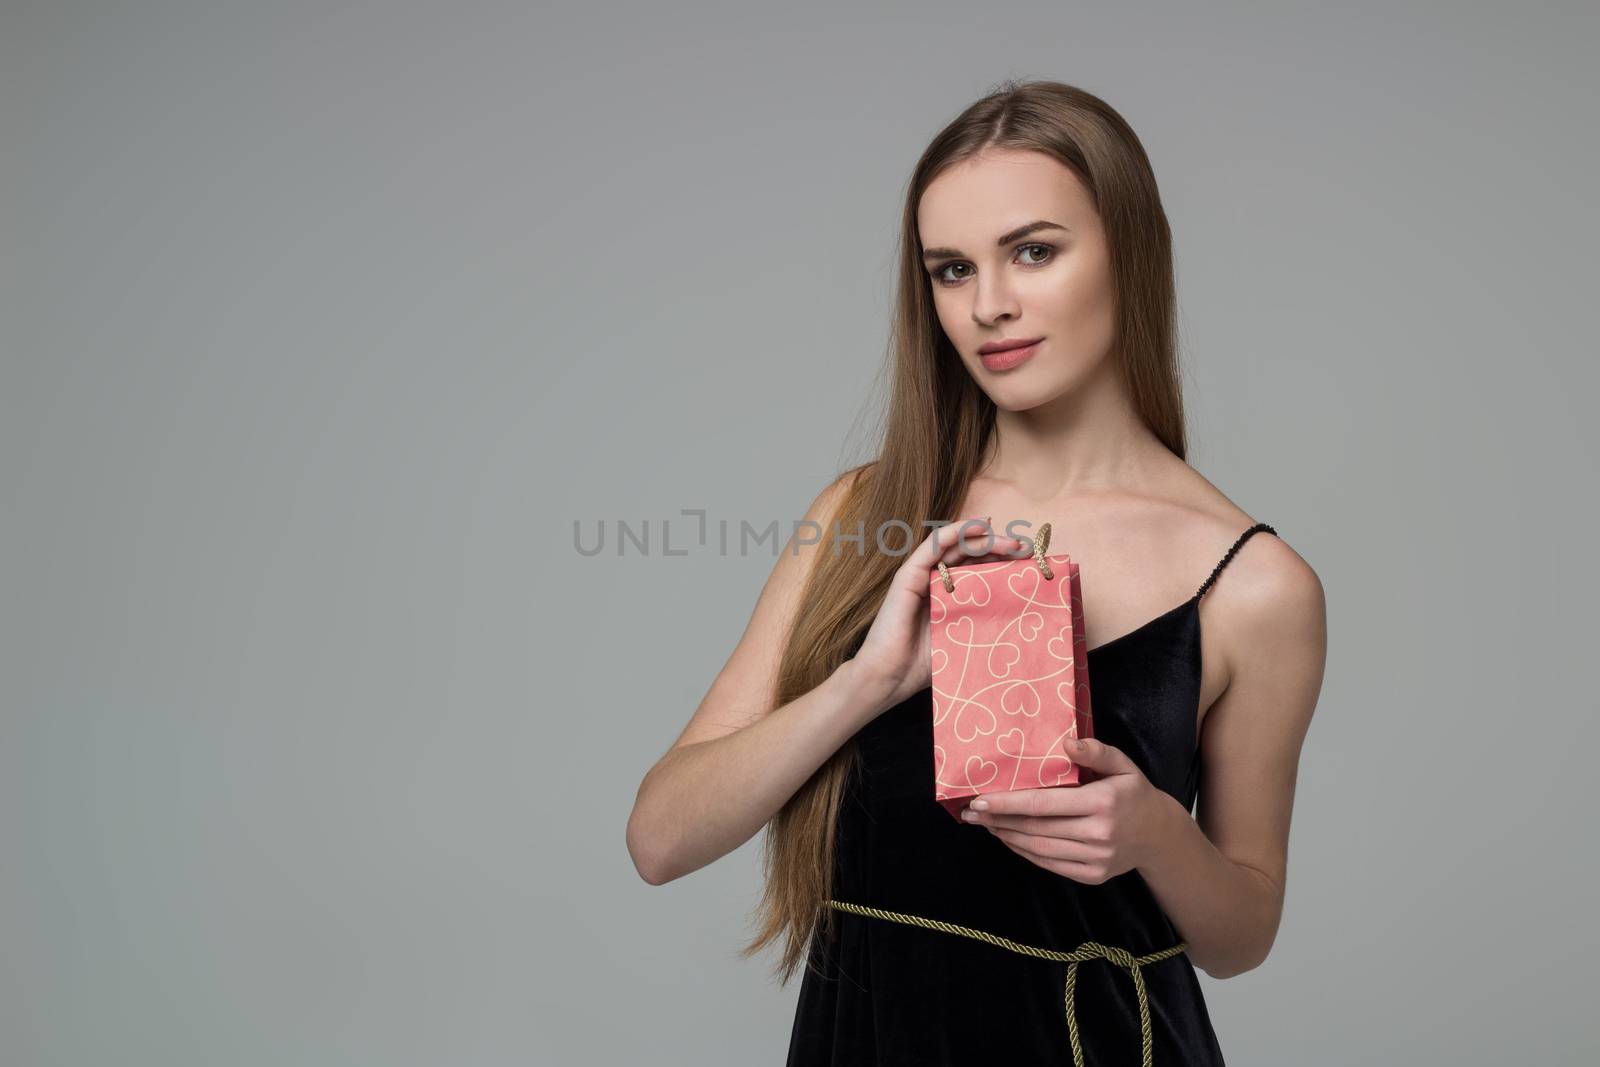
(1010, 675)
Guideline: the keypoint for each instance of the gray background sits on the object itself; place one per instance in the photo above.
(324, 323)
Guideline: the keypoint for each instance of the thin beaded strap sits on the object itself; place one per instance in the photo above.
(1242, 539)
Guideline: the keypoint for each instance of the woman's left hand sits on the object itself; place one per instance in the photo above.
(1090, 832)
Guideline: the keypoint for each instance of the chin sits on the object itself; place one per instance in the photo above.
(1015, 394)
(1022, 400)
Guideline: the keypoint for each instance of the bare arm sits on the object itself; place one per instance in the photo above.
(740, 759)
(703, 800)
(1222, 880)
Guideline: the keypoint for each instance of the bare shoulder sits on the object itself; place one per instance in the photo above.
(1272, 608)
(746, 687)
(1267, 602)
(826, 504)
(1267, 622)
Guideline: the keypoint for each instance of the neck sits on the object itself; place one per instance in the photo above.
(1087, 439)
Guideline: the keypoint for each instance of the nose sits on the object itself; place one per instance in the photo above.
(993, 299)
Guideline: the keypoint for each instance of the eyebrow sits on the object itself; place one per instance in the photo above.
(1004, 239)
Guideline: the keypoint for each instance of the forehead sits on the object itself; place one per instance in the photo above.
(974, 201)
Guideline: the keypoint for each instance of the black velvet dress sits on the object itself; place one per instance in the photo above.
(883, 992)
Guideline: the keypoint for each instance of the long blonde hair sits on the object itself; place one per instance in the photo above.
(934, 435)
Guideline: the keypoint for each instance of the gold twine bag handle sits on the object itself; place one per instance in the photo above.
(1040, 543)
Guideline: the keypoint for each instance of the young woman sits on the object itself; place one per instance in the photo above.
(1035, 380)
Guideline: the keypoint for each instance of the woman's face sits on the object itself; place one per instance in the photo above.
(1014, 251)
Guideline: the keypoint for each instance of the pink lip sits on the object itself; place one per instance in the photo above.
(1007, 358)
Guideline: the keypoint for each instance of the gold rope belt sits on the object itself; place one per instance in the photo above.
(1089, 950)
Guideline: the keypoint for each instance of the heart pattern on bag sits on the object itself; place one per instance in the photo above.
(1010, 677)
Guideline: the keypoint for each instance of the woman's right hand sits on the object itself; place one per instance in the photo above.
(895, 655)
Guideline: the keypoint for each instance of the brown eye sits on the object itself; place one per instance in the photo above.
(1047, 251)
(1046, 248)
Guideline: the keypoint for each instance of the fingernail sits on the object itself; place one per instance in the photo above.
(970, 815)
(981, 804)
